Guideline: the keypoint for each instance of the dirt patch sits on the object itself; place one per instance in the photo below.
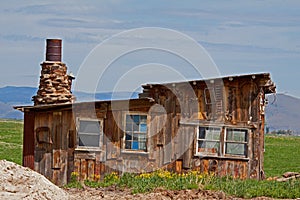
(158, 194)
(17, 182)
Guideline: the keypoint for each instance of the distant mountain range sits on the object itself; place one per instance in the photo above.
(282, 112)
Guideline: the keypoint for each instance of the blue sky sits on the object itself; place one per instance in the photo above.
(240, 36)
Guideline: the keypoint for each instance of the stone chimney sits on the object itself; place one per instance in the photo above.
(55, 83)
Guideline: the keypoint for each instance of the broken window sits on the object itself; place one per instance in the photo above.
(208, 140)
(236, 141)
(90, 132)
(135, 131)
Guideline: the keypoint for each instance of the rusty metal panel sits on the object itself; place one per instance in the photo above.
(28, 140)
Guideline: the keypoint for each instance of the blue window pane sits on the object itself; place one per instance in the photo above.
(136, 119)
(135, 145)
(143, 128)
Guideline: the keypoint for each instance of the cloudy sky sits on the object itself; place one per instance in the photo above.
(240, 36)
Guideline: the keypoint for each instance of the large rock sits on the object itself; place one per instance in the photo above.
(17, 182)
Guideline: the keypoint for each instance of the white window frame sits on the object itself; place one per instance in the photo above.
(126, 131)
(245, 143)
(84, 147)
(206, 153)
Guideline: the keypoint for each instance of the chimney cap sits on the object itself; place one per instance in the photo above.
(53, 50)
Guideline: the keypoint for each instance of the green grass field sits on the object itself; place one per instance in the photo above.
(282, 154)
(11, 140)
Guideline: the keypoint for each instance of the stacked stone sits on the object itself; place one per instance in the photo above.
(55, 84)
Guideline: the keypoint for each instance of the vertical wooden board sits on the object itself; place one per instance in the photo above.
(204, 165)
(102, 168)
(83, 169)
(39, 155)
(97, 172)
(91, 169)
(243, 170)
(48, 165)
(178, 167)
(66, 121)
(110, 151)
(57, 129)
(152, 135)
(160, 160)
(238, 105)
(229, 168)
(188, 146)
(118, 121)
(28, 140)
(77, 168)
(56, 159)
(64, 167)
(236, 168)
(168, 142)
(70, 164)
(56, 178)
(108, 127)
(173, 135)
(222, 168)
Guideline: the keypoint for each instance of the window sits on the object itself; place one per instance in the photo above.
(90, 132)
(211, 142)
(208, 140)
(236, 141)
(135, 132)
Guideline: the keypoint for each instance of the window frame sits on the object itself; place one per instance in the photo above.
(245, 143)
(101, 133)
(223, 143)
(138, 150)
(207, 153)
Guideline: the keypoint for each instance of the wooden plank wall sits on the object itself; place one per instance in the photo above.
(237, 104)
(56, 156)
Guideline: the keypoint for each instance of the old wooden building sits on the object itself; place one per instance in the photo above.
(214, 125)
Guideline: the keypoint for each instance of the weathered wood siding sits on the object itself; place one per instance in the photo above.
(174, 114)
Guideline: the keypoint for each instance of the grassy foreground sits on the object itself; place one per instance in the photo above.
(147, 182)
(282, 154)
